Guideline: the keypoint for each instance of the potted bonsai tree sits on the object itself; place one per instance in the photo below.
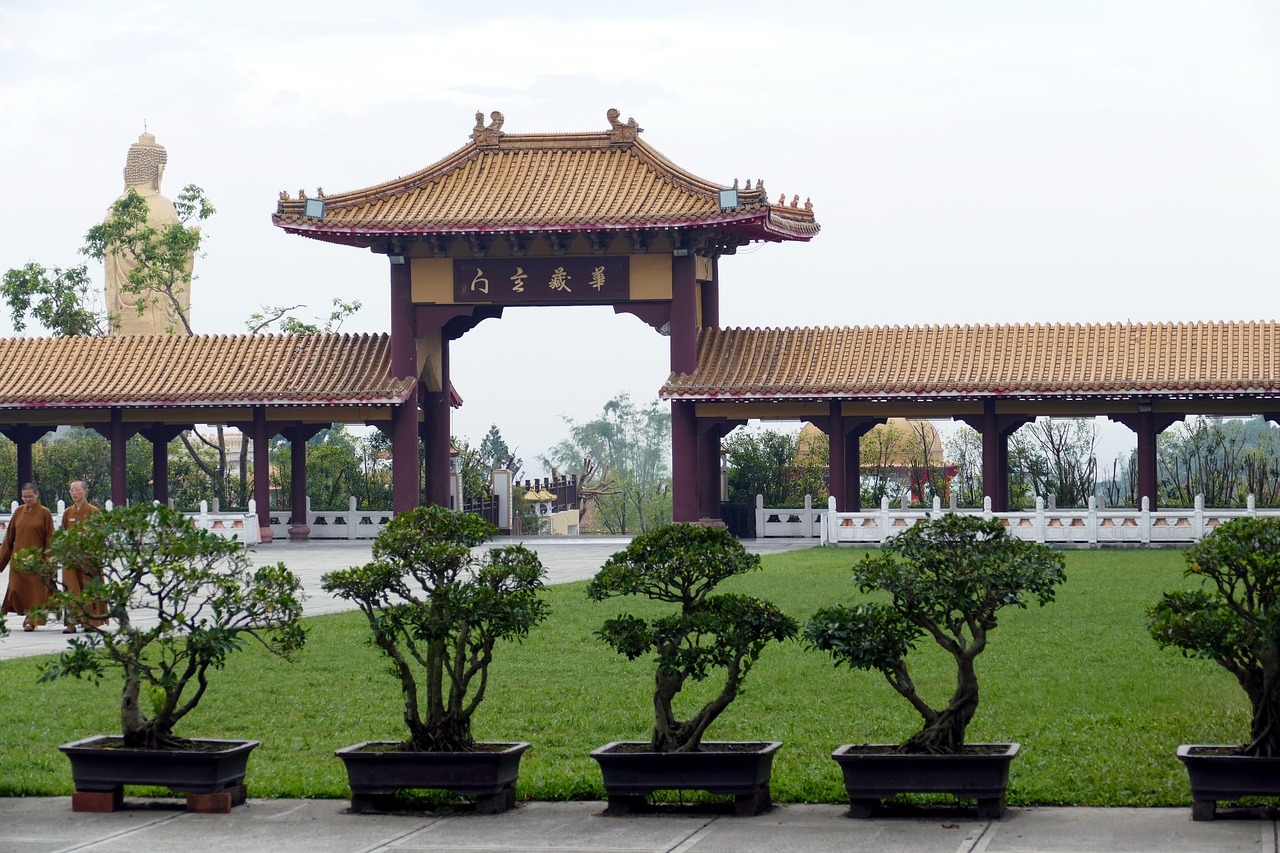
(1233, 618)
(179, 600)
(437, 611)
(947, 579)
(682, 564)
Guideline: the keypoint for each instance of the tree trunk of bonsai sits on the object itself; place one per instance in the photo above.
(944, 734)
(1264, 735)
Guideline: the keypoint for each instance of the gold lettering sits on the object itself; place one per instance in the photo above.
(597, 278)
(560, 280)
(517, 280)
(480, 283)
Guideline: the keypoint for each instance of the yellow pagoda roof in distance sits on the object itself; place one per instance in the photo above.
(502, 183)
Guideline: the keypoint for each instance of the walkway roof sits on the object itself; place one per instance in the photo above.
(68, 379)
(539, 182)
(1028, 362)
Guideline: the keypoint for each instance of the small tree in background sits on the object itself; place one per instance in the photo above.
(947, 578)
(1234, 618)
(179, 601)
(681, 564)
(437, 612)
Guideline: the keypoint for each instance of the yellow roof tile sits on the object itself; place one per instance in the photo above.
(502, 182)
(204, 370)
(880, 362)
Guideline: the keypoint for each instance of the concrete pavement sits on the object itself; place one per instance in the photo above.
(46, 824)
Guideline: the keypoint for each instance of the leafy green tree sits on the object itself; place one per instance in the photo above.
(621, 458)
(947, 578)
(161, 274)
(682, 564)
(66, 302)
(179, 601)
(437, 611)
(496, 455)
(282, 318)
(1232, 619)
(777, 465)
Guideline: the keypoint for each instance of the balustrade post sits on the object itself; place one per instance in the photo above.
(1040, 521)
(1091, 524)
(759, 516)
(1197, 519)
(1144, 522)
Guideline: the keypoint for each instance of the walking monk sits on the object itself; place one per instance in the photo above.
(76, 578)
(30, 527)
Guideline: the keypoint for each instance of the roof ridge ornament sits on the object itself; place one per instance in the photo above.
(487, 137)
(619, 132)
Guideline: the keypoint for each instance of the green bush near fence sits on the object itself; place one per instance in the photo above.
(1098, 708)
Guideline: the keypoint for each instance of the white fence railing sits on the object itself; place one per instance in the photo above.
(241, 525)
(351, 523)
(1091, 527)
(802, 523)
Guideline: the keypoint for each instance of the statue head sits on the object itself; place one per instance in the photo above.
(145, 164)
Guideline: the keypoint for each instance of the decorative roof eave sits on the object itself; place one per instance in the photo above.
(401, 391)
(923, 395)
(761, 224)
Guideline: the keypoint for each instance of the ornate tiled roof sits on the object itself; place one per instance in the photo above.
(225, 370)
(500, 182)
(882, 362)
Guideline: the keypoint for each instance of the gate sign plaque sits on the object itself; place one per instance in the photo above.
(542, 281)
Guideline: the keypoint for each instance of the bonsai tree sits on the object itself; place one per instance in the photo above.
(437, 611)
(682, 564)
(179, 600)
(947, 578)
(1233, 618)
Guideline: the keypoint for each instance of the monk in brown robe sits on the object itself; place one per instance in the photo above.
(75, 579)
(30, 527)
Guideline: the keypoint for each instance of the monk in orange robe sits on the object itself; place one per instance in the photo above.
(30, 527)
(75, 579)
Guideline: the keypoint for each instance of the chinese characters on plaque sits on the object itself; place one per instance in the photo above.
(544, 281)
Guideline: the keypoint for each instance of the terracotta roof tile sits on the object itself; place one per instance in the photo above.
(164, 370)
(948, 361)
(533, 182)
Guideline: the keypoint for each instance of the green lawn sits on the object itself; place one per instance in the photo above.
(1099, 710)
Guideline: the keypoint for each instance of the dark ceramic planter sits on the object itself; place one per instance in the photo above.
(375, 773)
(1216, 776)
(871, 776)
(630, 775)
(98, 768)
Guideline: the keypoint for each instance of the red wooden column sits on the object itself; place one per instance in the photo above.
(160, 435)
(262, 473)
(23, 437)
(435, 433)
(297, 436)
(684, 359)
(844, 450)
(995, 429)
(710, 298)
(1148, 425)
(404, 419)
(119, 439)
(710, 432)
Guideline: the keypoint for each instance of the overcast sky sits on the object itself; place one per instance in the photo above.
(968, 162)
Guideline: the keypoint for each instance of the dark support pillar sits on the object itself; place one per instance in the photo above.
(297, 436)
(710, 432)
(119, 459)
(684, 359)
(844, 446)
(837, 458)
(684, 314)
(436, 434)
(160, 435)
(23, 437)
(1147, 424)
(711, 298)
(262, 473)
(995, 429)
(684, 461)
(404, 421)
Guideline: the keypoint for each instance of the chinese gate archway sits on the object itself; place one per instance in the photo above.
(547, 219)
